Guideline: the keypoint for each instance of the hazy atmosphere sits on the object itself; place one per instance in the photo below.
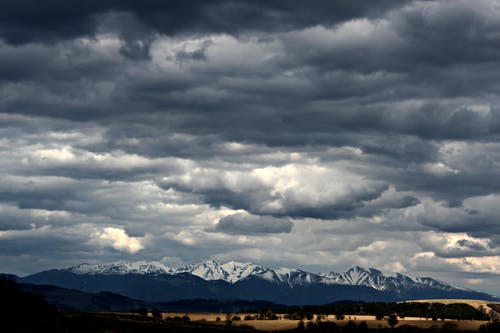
(309, 134)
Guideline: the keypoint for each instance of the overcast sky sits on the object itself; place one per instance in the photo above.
(309, 134)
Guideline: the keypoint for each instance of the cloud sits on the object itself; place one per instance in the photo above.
(118, 239)
(291, 190)
(27, 22)
(340, 131)
(246, 224)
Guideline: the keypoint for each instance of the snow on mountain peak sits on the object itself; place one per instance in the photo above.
(430, 282)
(238, 270)
(370, 277)
(207, 270)
(234, 271)
(356, 275)
(294, 277)
(231, 271)
(120, 268)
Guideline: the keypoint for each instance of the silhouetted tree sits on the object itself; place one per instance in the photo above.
(310, 326)
(392, 320)
(156, 313)
(142, 311)
(268, 314)
(300, 326)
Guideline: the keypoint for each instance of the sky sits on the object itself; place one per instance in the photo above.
(309, 134)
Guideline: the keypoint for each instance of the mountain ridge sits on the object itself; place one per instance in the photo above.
(234, 271)
(157, 282)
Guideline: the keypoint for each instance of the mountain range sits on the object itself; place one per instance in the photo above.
(156, 282)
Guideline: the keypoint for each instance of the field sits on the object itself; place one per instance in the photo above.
(285, 324)
(371, 322)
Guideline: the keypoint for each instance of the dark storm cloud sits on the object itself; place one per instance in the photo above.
(244, 224)
(457, 220)
(53, 20)
(44, 245)
(374, 126)
(345, 99)
(320, 91)
(435, 34)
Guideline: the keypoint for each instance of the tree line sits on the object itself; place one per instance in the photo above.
(434, 311)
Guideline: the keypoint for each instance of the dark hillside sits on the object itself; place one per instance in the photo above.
(24, 312)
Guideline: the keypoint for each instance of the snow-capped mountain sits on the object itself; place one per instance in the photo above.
(239, 271)
(289, 276)
(231, 271)
(122, 268)
(207, 270)
(234, 271)
(154, 281)
(370, 277)
(433, 283)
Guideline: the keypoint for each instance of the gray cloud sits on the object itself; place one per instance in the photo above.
(375, 128)
(244, 224)
(54, 20)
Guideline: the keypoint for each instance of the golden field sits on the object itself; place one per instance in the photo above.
(285, 324)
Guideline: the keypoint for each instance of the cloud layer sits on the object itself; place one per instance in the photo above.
(259, 131)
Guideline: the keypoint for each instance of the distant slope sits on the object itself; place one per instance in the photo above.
(71, 299)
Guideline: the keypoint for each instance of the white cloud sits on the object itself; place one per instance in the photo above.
(118, 239)
(284, 189)
(438, 169)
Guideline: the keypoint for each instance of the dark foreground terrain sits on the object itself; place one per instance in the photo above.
(22, 311)
(86, 322)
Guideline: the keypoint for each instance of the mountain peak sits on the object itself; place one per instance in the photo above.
(369, 277)
(207, 270)
(231, 271)
(121, 268)
(375, 271)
